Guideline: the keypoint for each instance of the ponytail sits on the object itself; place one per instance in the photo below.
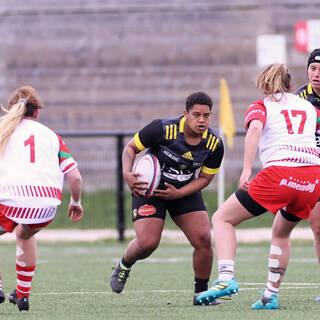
(274, 79)
(10, 121)
(24, 101)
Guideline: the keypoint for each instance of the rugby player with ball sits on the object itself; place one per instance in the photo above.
(182, 147)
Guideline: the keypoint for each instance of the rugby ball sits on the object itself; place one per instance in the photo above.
(149, 168)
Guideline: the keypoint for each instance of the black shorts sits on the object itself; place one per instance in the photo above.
(256, 209)
(249, 204)
(154, 207)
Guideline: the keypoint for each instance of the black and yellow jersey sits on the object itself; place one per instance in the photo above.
(306, 92)
(179, 160)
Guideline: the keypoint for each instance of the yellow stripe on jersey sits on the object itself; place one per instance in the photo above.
(305, 95)
(138, 143)
(309, 88)
(171, 131)
(167, 132)
(208, 143)
(212, 142)
(181, 125)
(214, 146)
(209, 170)
(205, 134)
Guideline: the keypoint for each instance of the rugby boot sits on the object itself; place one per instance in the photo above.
(266, 303)
(220, 288)
(2, 296)
(118, 278)
(22, 303)
(198, 303)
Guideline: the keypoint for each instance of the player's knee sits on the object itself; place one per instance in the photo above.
(315, 226)
(203, 240)
(22, 233)
(216, 218)
(148, 245)
(278, 232)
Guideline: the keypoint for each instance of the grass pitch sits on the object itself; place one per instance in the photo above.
(72, 282)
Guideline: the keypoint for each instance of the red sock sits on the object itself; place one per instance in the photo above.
(24, 280)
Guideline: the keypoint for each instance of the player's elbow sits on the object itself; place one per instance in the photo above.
(74, 177)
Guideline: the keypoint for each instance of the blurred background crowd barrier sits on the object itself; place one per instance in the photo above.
(115, 65)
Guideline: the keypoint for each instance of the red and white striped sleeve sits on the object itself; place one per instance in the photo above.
(66, 162)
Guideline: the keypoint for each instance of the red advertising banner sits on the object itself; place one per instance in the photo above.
(301, 36)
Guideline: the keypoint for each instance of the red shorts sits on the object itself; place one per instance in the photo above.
(9, 225)
(294, 189)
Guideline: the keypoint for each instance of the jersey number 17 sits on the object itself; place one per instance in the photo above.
(294, 113)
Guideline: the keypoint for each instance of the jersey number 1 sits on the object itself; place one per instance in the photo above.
(295, 113)
(30, 141)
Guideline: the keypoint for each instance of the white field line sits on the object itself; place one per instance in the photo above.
(284, 286)
(243, 235)
(187, 259)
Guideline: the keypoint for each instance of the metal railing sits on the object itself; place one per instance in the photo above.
(120, 193)
(119, 135)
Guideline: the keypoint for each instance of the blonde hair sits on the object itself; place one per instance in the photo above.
(24, 101)
(274, 79)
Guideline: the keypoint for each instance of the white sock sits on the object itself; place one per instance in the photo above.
(270, 290)
(225, 270)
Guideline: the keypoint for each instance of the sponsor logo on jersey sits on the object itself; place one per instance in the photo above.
(147, 210)
(304, 186)
(255, 112)
(187, 155)
(171, 156)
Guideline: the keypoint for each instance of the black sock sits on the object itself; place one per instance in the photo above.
(125, 263)
(200, 285)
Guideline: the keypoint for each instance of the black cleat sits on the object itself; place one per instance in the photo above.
(2, 296)
(22, 303)
(118, 278)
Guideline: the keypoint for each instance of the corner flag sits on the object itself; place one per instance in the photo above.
(226, 120)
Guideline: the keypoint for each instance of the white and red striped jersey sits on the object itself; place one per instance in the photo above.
(32, 170)
(288, 135)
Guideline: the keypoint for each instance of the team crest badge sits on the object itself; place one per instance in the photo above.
(134, 213)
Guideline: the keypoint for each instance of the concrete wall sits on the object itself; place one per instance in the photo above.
(115, 65)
